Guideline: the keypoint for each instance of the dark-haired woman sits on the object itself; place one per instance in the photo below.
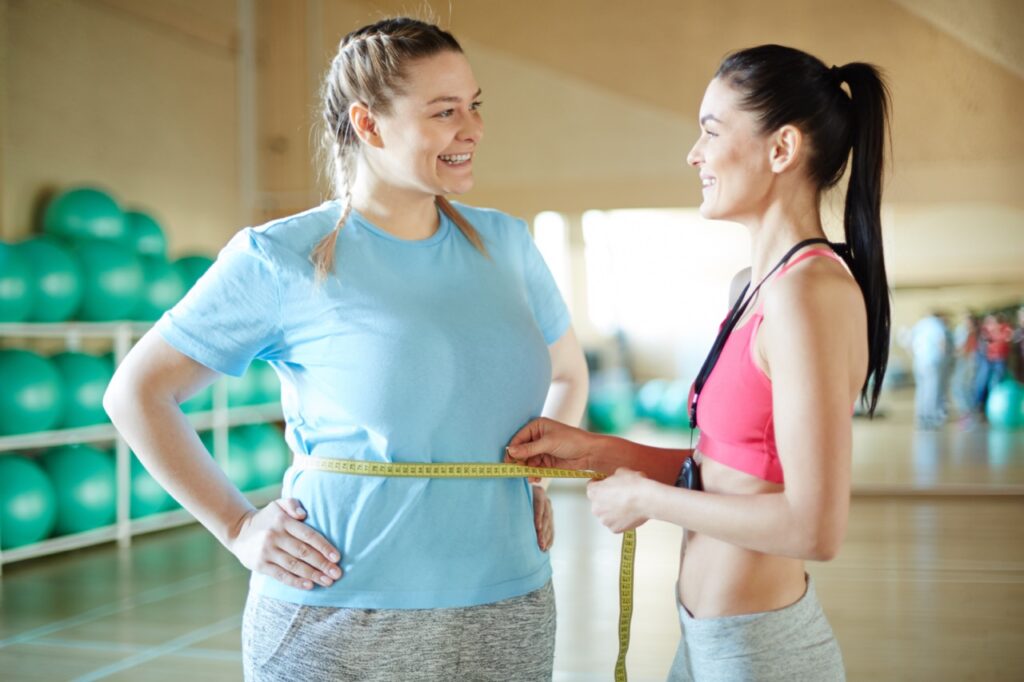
(807, 334)
(404, 329)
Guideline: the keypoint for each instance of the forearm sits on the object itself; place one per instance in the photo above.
(765, 523)
(566, 401)
(658, 464)
(164, 441)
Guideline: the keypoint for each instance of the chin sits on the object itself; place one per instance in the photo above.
(460, 188)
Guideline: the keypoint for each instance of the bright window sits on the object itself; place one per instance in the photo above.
(662, 278)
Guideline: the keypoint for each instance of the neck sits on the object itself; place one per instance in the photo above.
(778, 229)
(404, 213)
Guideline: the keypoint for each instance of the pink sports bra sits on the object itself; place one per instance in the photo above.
(735, 419)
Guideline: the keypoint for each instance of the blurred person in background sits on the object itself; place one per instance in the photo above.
(1017, 354)
(932, 350)
(965, 366)
(996, 339)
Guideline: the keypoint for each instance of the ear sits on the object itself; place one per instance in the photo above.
(786, 149)
(364, 124)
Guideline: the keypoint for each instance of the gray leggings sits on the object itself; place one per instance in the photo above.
(792, 644)
(512, 639)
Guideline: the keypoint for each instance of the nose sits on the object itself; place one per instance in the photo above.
(472, 128)
(695, 158)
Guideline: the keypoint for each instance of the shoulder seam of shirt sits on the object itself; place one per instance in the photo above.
(277, 282)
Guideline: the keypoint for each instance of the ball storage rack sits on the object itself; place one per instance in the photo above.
(220, 419)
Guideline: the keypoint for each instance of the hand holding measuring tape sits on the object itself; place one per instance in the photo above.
(548, 443)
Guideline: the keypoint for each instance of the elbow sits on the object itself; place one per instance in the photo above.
(112, 402)
(822, 541)
(826, 549)
(118, 398)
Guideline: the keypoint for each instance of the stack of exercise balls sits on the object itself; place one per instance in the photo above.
(95, 261)
(257, 455)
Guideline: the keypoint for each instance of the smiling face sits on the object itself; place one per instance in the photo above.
(430, 135)
(733, 157)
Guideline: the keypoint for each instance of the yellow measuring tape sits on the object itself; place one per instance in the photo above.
(485, 470)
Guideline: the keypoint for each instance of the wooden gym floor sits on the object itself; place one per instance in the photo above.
(929, 584)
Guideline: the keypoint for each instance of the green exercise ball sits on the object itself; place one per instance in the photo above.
(200, 402)
(58, 276)
(673, 408)
(268, 385)
(17, 285)
(1004, 405)
(31, 393)
(649, 397)
(610, 409)
(85, 378)
(113, 280)
(28, 505)
(148, 496)
(240, 468)
(144, 234)
(243, 390)
(268, 452)
(83, 478)
(85, 213)
(192, 268)
(207, 438)
(163, 287)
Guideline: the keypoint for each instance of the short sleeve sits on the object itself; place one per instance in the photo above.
(232, 314)
(546, 301)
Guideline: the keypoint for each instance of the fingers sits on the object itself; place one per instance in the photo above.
(292, 507)
(530, 432)
(306, 562)
(543, 520)
(326, 552)
(290, 570)
(530, 450)
(295, 554)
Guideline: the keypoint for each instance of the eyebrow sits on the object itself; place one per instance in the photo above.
(452, 98)
(709, 117)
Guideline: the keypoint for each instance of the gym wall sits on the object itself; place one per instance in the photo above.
(589, 104)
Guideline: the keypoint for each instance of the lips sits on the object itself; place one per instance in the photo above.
(456, 159)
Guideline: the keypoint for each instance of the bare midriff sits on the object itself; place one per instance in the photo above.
(720, 579)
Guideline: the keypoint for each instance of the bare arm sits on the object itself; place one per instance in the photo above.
(567, 398)
(547, 443)
(143, 402)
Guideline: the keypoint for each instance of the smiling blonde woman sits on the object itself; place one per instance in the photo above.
(404, 328)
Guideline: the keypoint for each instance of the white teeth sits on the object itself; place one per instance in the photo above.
(707, 182)
(455, 158)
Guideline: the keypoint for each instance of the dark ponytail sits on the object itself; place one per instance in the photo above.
(785, 86)
(862, 217)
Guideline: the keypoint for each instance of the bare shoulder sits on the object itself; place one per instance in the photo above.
(817, 292)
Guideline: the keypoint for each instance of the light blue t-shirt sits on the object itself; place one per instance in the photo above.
(414, 351)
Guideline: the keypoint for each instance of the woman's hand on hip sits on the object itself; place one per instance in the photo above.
(543, 518)
(615, 501)
(276, 542)
(548, 443)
